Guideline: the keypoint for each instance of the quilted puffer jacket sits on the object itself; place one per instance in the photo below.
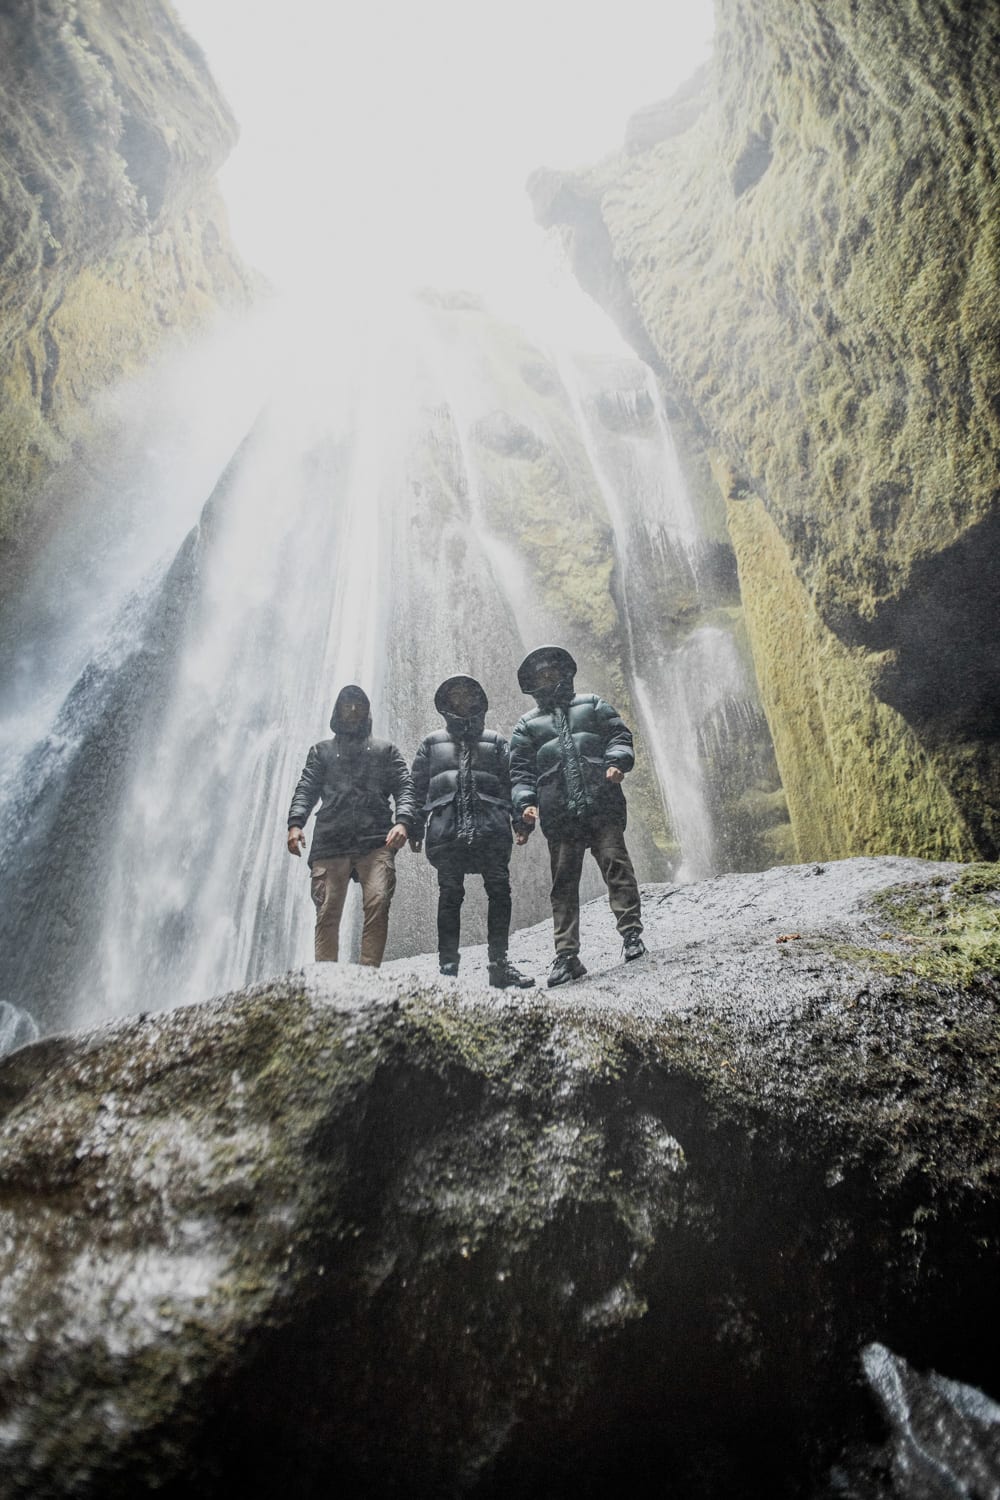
(461, 782)
(559, 757)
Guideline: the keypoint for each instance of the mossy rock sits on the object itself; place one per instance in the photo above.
(810, 257)
(112, 235)
(389, 1233)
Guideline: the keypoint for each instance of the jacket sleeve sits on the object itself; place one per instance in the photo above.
(400, 784)
(617, 736)
(308, 791)
(421, 777)
(503, 777)
(523, 771)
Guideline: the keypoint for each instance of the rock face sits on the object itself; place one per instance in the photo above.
(812, 263)
(111, 230)
(417, 1237)
(944, 1436)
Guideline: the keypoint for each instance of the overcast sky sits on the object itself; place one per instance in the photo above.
(386, 144)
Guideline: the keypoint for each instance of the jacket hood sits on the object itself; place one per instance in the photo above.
(352, 694)
(443, 697)
(534, 659)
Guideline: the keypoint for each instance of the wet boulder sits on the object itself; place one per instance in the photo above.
(405, 1235)
(944, 1437)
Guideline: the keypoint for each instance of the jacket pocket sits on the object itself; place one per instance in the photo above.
(441, 827)
(494, 816)
(551, 793)
(606, 798)
(594, 770)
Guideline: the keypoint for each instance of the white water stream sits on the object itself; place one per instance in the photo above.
(171, 663)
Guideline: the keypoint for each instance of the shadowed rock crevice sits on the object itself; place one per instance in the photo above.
(753, 161)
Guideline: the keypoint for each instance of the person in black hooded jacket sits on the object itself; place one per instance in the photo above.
(356, 834)
(461, 783)
(568, 760)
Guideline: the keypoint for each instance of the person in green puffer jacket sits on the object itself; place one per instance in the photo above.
(567, 763)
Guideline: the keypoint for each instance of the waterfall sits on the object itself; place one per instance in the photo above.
(273, 526)
(678, 680)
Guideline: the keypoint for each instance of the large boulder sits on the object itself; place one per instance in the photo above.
(811, 260)
(405, 1235)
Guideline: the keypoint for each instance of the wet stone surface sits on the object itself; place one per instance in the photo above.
(415, 1236)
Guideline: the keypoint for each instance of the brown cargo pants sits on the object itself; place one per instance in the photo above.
(330, 880)
(566, 850)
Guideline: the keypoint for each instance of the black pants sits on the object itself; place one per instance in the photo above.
(492, 862)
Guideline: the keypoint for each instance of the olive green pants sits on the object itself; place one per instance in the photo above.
(330, 880)
(566, 850)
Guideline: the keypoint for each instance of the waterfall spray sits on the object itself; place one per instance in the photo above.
(365, 531)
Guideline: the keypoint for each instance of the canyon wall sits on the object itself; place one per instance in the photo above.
(112, 233)
(805, 243)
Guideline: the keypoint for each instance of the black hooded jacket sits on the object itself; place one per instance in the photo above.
(461, 783)
(353, 776)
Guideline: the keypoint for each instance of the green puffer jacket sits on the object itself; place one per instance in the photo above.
(559, 756)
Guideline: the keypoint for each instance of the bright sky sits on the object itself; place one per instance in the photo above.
(387, 144)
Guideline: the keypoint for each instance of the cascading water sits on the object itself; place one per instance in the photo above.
(376, 528)
(678, 681)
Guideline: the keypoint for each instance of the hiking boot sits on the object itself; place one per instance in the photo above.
(565, 969)
(504, 976)
(633, 945)
(449, 967)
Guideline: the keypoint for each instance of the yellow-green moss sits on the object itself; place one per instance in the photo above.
(111, 234)
(942, 934)
(855, 775)
(815, 266)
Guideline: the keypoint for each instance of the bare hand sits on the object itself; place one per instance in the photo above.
(296, 841)
(530, 816)
(396, 837)
(521, 837)
(416, 845)
(613, 774)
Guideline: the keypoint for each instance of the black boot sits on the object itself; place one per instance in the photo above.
(449, 967)
(566, 968)
(504, 976)
(632, 944)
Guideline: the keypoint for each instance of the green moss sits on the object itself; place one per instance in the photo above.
(829, 329)
(111, 233)
(945, 933)
(856, 777)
